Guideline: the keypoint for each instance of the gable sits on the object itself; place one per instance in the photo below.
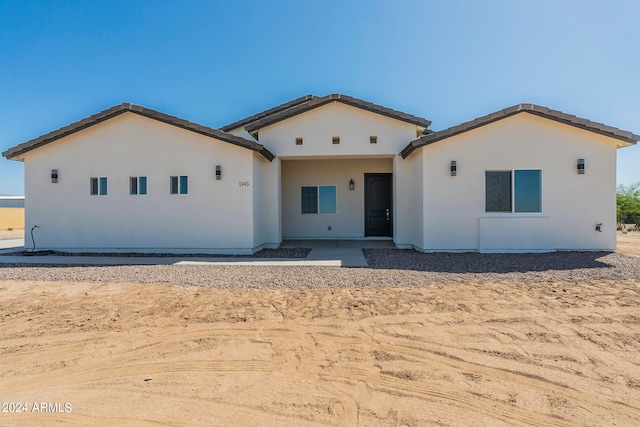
(131, 139)
(520, 139)
(354, 127)
(17, 152)
(294, 108)
(623, 138)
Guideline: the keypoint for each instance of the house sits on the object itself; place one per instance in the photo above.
(523, 179)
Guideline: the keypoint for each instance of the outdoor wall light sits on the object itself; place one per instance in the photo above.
(581, 166)
(454, 168)
(352, 185)
(599, 227)
(54, 175)
(218, 173)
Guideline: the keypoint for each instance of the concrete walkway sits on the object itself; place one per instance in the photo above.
(11, 245)
(342, 253)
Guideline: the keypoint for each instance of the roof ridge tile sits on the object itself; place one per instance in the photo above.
(627, 137)
(345, 99)
(111, 112)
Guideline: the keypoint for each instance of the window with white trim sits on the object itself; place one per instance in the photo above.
(518, 191)
(98, 186)
(179, 185)
(138, 185)
(318, 199)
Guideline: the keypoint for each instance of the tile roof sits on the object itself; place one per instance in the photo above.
(14, 152)
(279, 108)
(627, 137)
(314, 101)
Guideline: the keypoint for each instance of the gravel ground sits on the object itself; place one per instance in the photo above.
(388, 267)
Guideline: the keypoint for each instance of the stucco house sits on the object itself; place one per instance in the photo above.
(129, 178)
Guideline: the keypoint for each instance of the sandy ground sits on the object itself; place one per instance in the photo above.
(504, 353)
(497, 354)
(629, 244)
(12, 234)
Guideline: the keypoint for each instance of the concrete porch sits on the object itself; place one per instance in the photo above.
(339, 244)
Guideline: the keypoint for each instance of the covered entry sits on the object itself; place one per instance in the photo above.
(319, 202)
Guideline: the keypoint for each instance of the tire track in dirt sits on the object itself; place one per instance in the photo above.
(489, 354)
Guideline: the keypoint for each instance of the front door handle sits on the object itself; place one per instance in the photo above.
(387, 214)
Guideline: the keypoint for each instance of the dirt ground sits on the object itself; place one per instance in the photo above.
(550, 353)
(12, 234)
(629, 244)
(501, 354)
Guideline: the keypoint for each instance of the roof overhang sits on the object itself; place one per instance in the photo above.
(17, 152)
(624, 138)
(310, 102)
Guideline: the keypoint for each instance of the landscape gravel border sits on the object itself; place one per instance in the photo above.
(387, 267)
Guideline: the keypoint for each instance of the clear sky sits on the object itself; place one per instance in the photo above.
(214, 62)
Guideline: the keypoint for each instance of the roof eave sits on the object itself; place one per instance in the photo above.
(347, 100)
(626, 138)
(16, 153)
(247, 120)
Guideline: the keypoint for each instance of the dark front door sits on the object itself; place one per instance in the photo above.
(378, 218)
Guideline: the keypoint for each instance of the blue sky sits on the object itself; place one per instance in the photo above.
(213, 62)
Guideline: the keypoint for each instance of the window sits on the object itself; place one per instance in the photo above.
(179, 185)
(528, 190)
(318, 200)
(309, 200)
(498, 191)
(335, 139)
(98, 186)
(138, 185)
(520, 191)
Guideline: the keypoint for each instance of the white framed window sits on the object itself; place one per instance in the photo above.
(319, 199)
(179, 184)
(517, 191)
(98, 186)
(138, 185)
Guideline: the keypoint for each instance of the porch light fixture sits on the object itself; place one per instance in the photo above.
(454, 168)
(581, 166)
(54, 176)
(218, 173)
(352, 184)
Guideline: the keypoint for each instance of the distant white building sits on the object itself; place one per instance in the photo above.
(522, 179)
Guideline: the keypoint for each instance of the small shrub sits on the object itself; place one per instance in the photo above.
(9, 228)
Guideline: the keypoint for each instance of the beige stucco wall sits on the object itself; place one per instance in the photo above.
(216, 216)
(11, 218)
(348, 222)
(454, 207)
(354, 126)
